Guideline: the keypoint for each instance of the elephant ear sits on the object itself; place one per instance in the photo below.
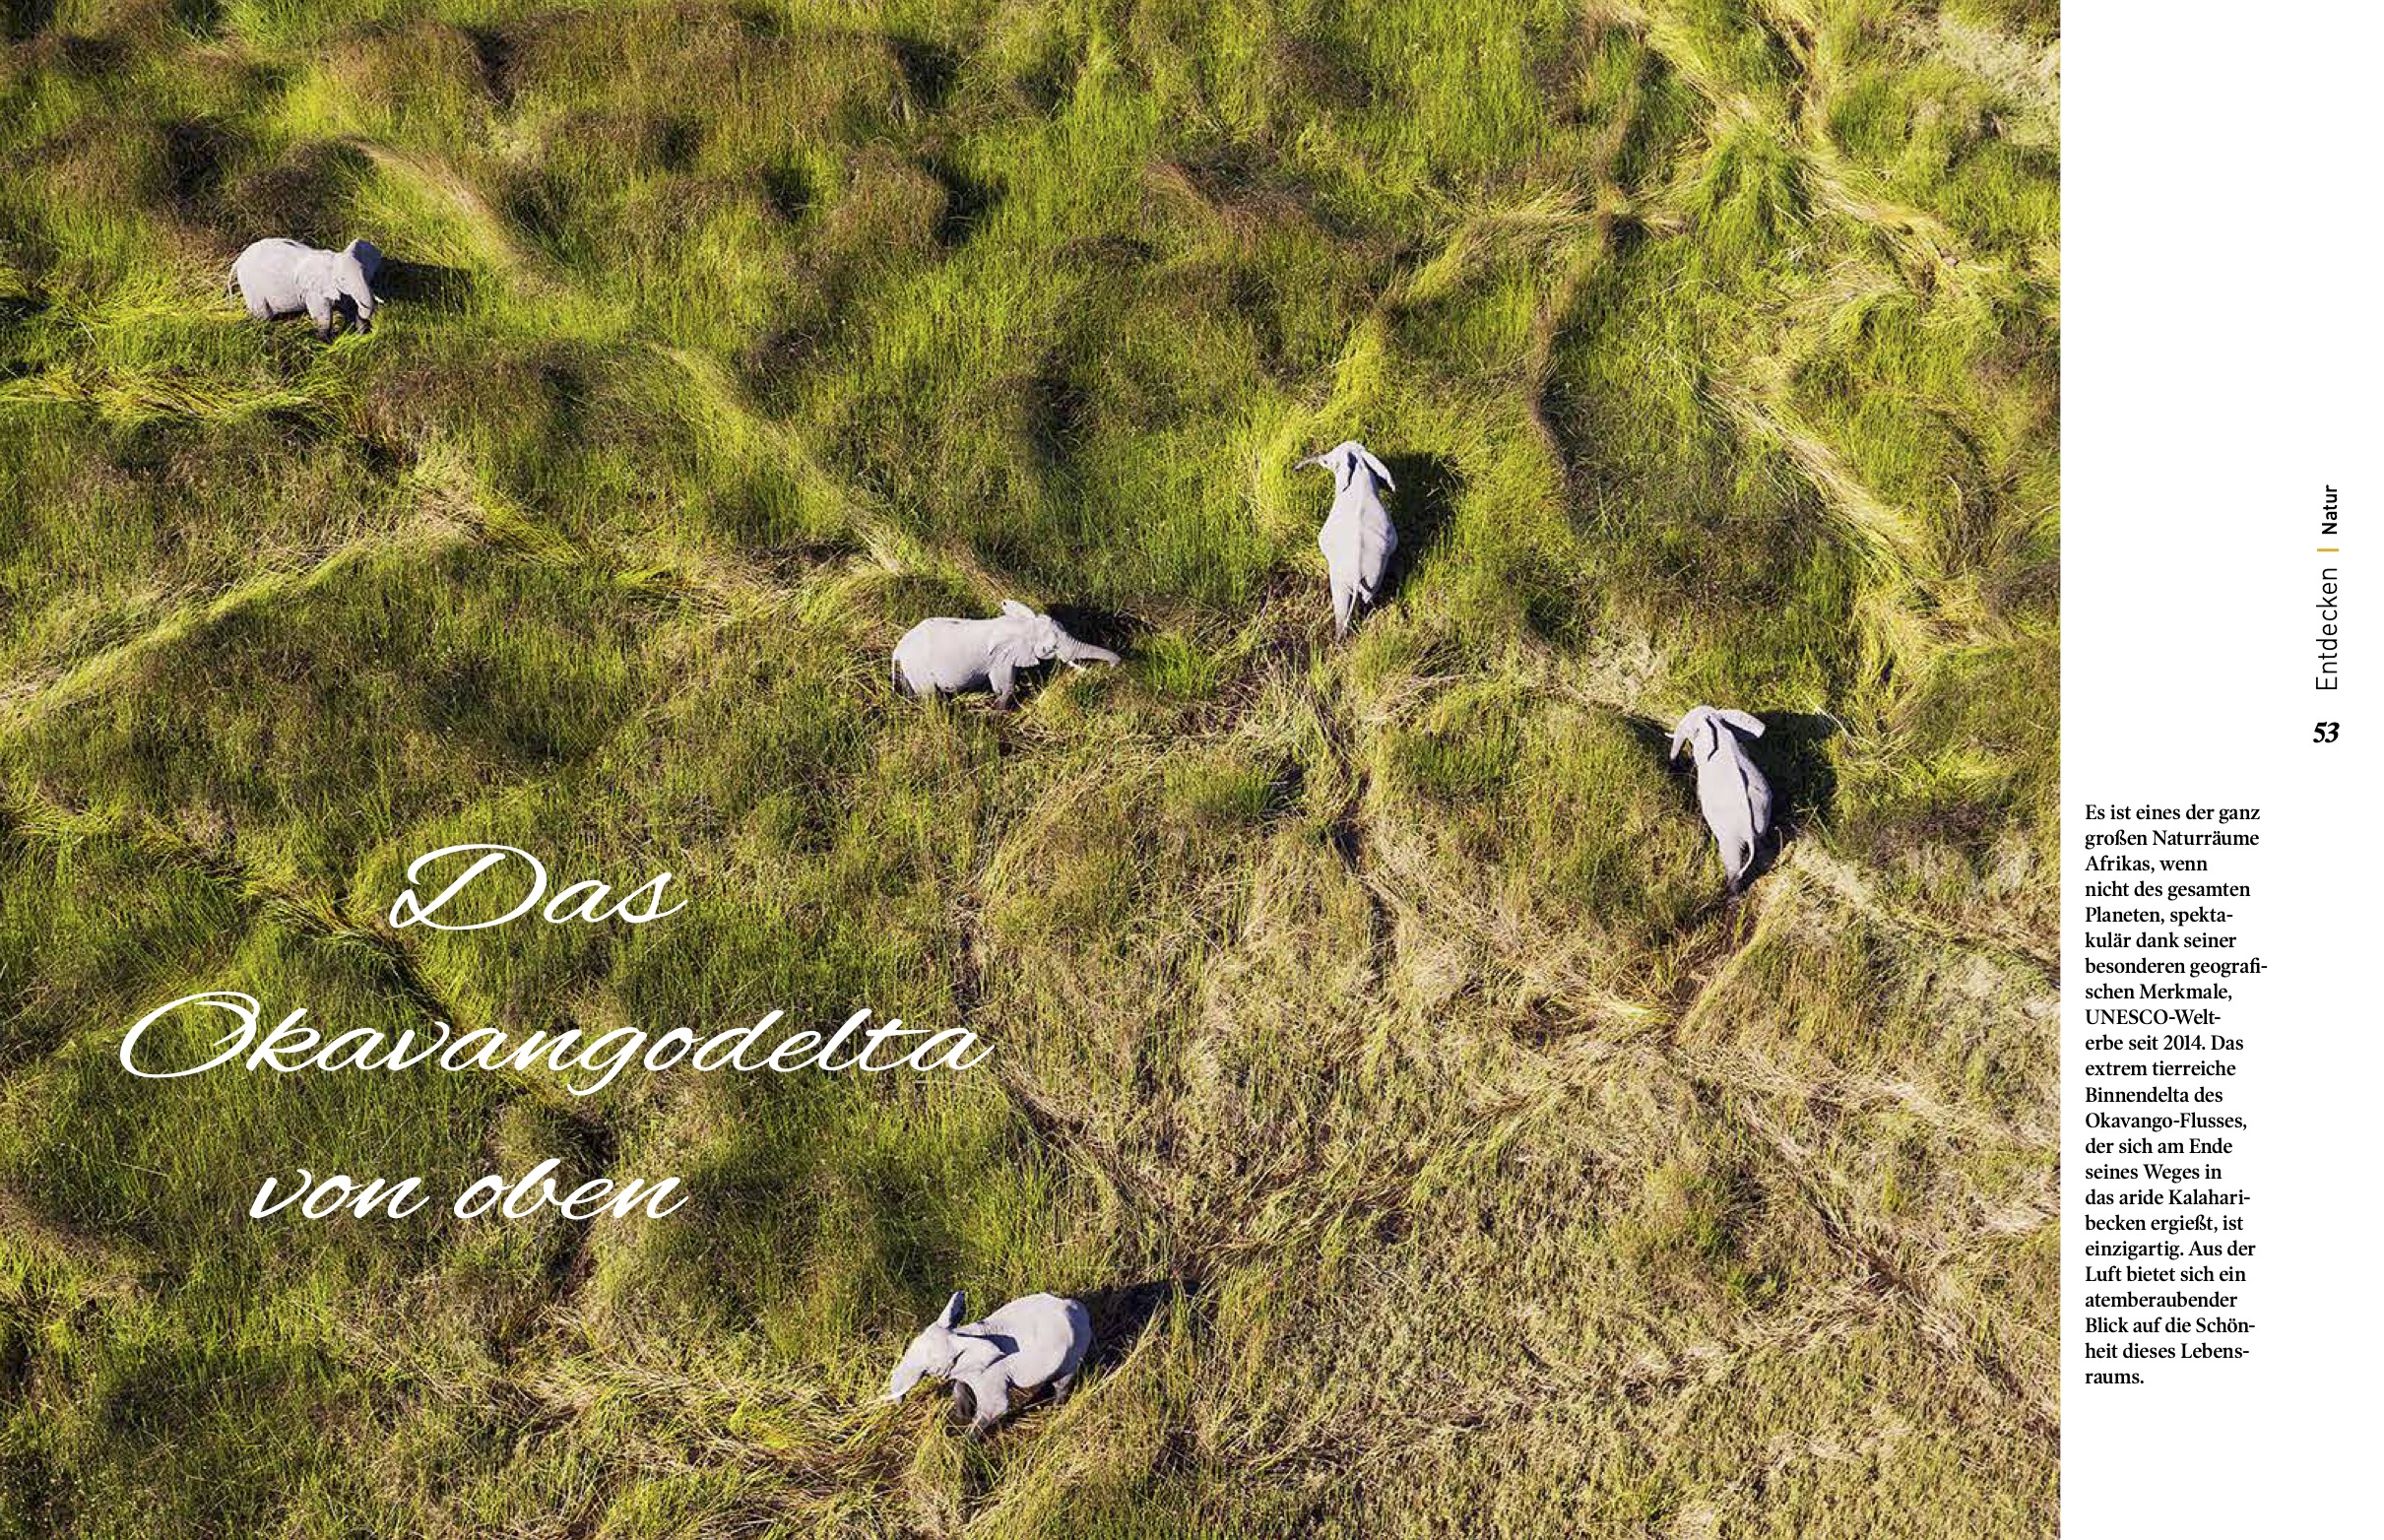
(1687, 725)
(1379, 468)
(952, 1309)
(1016, 610)
(1015, 647)
(1744, 723)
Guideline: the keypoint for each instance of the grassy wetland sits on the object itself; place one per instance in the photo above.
(1375, 1050)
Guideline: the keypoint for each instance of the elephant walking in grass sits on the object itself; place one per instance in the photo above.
(944, 656)
(278, 278)
(1734, 796)
(1357, 538)
(1037, 1340)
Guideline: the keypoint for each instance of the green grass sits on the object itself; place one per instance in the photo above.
(1374, 1049)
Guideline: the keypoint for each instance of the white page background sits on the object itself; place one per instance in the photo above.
(2220, 170)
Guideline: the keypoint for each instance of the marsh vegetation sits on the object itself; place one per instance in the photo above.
(1375, 1050)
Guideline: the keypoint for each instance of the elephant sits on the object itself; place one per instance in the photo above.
(1040, 1339)
(1357, 538)
(278, 278)
(1734, 795)
(944, 655)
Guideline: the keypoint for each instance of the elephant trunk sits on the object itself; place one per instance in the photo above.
(1076, 654)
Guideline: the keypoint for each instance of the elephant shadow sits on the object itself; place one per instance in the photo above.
(426, 283)
(1422, 508)
(1794, 756)
(1100, 626)
(1123, 1314)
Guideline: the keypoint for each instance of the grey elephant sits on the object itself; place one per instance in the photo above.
(1734, 796)
(944, 656)
(1040, 1339)
(278, 278)
(1357, 538)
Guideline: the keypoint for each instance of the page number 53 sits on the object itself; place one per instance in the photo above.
(2326, 733)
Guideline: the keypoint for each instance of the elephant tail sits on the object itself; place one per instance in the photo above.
(1750, 850)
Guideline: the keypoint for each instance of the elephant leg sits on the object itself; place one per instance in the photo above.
(992, 1389)
(1063, 1386)
(319, 312)
(1004, 680)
